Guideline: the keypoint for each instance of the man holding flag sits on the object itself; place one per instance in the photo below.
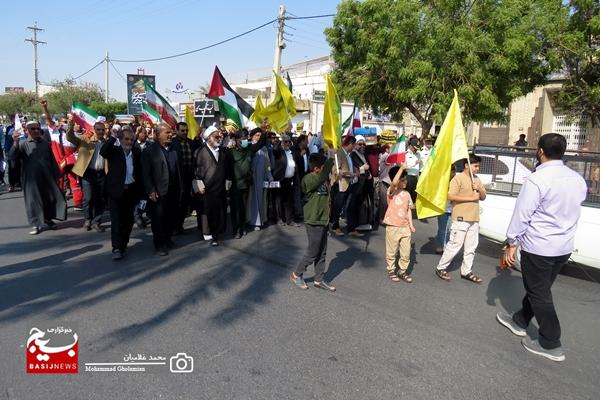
(465, 192)
(90, 166)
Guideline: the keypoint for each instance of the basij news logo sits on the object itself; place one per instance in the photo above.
(52, 351)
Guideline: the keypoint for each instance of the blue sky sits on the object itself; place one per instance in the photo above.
(78, 34)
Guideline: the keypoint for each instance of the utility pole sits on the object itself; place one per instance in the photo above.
(35, 42)
(279, 46)
(106, 78)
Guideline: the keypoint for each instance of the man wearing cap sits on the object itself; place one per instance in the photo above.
(212, 168)
(285, 173)
(425, 152)
(91, 167)
(161, 176)
(44, 201)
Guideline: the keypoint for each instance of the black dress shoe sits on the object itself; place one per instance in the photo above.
(214, 243)
(98, 228)
(238, 235)
(163, 251)
(50, 225)
(117, 254)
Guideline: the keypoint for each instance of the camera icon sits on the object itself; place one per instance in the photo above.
(181, 364)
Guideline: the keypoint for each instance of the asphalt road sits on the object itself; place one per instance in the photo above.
(252, 335)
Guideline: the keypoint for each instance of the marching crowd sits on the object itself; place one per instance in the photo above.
(259, 177)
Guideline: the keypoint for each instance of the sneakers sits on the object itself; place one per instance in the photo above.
(35, 230)
(325, 286)
(338, 232)
(508, 322)
(534, 347)
(356, 234)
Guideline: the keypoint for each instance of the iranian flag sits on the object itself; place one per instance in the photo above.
(162, 107)
(83, 116)
(231, 105)
(353, 121)
(398, 152)
(150, 114)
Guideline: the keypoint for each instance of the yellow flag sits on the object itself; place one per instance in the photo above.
(332, 118)
(283, 107)
(191, 123)
(258, 107)
(450, 146)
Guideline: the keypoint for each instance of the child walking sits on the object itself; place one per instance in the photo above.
(315, 187)
(399, 225)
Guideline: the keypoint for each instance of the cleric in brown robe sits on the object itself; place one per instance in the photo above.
(44, 201)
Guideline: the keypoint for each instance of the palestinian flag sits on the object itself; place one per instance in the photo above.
(353, 121)
(398, 152)
(231, 105)
(149, 114)
(162, 107)
(83, 116)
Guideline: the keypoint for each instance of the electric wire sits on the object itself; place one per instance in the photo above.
(90, 70)
(200, 49)
(118, 72)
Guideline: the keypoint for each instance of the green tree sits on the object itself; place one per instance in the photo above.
(395, 55)
(11, 103)
(109, 109)
(66, 92)
(579, 48)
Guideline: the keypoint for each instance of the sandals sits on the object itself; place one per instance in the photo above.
(393, 276)
(442, 274)
(298, 281)
(471, 277)
(405, 277)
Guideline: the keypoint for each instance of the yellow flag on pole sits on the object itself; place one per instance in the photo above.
(283, 107)
(332, 118)
(450, 146)
(258, 107)
(191, 122)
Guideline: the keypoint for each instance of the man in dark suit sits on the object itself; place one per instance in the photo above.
(185, 149)
(163, 185)
(123, 184)
(301, 154)
(285, 173)
(212, 167)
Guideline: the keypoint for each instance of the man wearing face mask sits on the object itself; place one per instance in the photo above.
(43, 199)
(123, 183)
(212, 168)
(241, 157)
(161, 176)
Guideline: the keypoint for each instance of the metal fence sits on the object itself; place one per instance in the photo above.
(504, 169)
